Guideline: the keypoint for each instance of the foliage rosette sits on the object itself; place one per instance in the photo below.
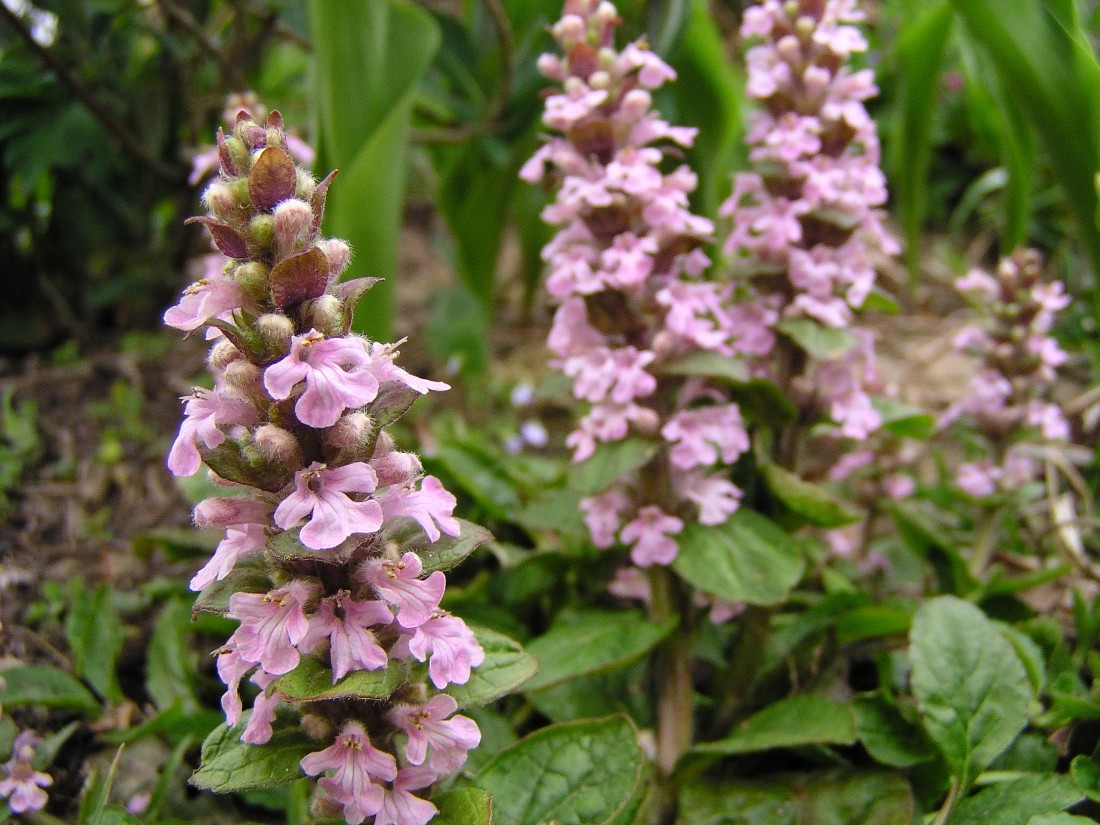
(336, 542)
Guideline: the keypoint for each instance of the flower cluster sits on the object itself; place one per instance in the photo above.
(20, 783)
(318, 562)
(806, 223)
(1008, 397)
(625, 269)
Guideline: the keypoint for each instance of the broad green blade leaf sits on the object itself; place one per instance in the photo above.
(482, 476)
(611, 460)
(45, 686)
(747, 559)
(1043, 57)
(888, 736)
(918, 52)
(762, 402)
(834, 798)
(708, 94)
(807, 500)
(1086, 773)
(903, 419)
(311, 681)
(444, 553)
(248, 576)
(970, 686)
(825, 343)
(1060, 819)
(707, 365)
(591, 642)
(464, 806)
(1016, 802)
(506, 668)
(229, 765)
(578, 773)
(171, 670)
(94, 632)
(789, 723)
(368, 57)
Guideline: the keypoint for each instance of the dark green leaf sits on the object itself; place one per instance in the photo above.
(888, 736)
(248, 576)
(808, 500)
(591, 642)
(903, 419)
(824, 343)
(444, 553)
(789, 723)
(707, 365)
(578, 773)
(611, 461)
(1016, 802)
(482, 476)
(171, 671)
(229, 765)
(764, 403)
(94, 632)
(747, 559)
(507, 667)
(46, 686)
(970, 686)
(464, 806)
(311, 681)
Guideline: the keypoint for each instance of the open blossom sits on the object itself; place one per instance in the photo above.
(345, 624)
(430, 506)
(206, 412)
(452, 649)
(207, 298)
(321, 494)
(603, 515)
(400, 806)
(649, 533)
(432, 727)
(242, 540)
(330, 388)
(399, 583)
(704, 435)
(272, 625)
(20, 783)
(356, 765)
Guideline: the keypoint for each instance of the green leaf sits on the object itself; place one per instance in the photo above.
(45, 686)
(763, 402)
(578, 773)
(444, 553)
(904, 420)
(707, 365)
(464, 806)
(789, 723)
(822, 342)
(747, 559)
(368, 58)
(171, 671)
(94, 632)
(833, 798)
(808, 500)
(1016, 802)
(918, 50)
(311, 681)
(229, 765)
(482, 476)
(970, 685)
(248, 576)
(1086, 773)
(611, 460)
(591, 642)
(1060, 819)
(95, 793)
(888, 736)
(507, 666)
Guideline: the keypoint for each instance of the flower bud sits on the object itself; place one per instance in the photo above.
(325, 314)
(219, 199)
(239, 187)
(338, 254)
(238, 152)
(252, 278)
(224, 512)
(261, 232)
(550, 66)
(805, 26)
(600, 80)
(350, 433)
(306, 185)
(569, 29)
(253, 135)
(790, 8)
(222, 354)
(789, 48)
(244, 377)
(274, 445)
(276, 137)
(396, 467)
(664, 344)
(275, 331)
(293, 226)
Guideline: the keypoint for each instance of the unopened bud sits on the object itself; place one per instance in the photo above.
(293, 226)
(277, 446)
(606, 59)
(275, 331)
(253, 279)
(222, 354)
(396, 467)
(244, 377)
(238, 151)
(383, 445)
(253, 135)
(225, 512)
(550, 66)
(318, 728)
(239, 188)
(805, 26)
(635, 103)
(790, 8)
(338, 254)
(275, 137)
(325, 314)
(599, 80)
(306, 185)
(219, 199)
(261, 232)
(664, 345)
(349, 434)
(569, 29)
(789, 48)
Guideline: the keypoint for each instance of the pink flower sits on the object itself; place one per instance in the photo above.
(630, 583)
(322, 494)
(427, 726)
(272, 625)
(430, 506)
(356, 764)
(978, 480)
(703, 435)
(22, 786)
(258, 730)
(615, 374)
(399, 806)
(603, 514)
(228, 512)
(649, 534)
(205, 412)
(345, 623)
(399, 583)
(899, 486)
(980, 282)
(453, 649)
(202, 301)
(242, 540)
(330, 388)
(718, 497)
(231, 669)
(384, 369)
(607, 422)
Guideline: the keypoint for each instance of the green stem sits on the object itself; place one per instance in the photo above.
(948, 804)
(987, 537)
(743, 668)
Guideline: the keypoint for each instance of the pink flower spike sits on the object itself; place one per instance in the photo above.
(399, 583)
(243, 540)
(649, 533)
(430, 506)
(702, 435)
(330, 388)
(321, 494)
(345, 623)
(272, 625)
(203, 300)
(400, 807)
(206, 411)
(356, 763)
(453, 649)
(427, 726)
